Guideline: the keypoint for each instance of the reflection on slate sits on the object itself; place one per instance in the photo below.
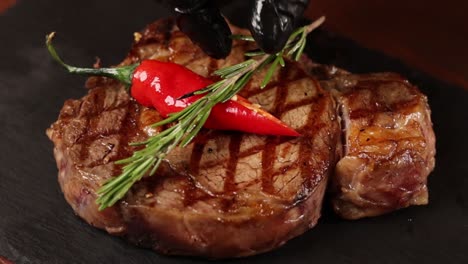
(38, 226)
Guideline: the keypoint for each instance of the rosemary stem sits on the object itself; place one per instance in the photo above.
(314, 25)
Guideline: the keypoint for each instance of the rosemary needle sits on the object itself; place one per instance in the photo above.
(189, 121)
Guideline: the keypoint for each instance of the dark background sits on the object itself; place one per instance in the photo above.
(37, 226)
(431, 35)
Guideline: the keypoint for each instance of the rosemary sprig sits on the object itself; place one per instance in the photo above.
(190, 120)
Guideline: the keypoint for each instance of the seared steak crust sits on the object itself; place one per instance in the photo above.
(388, 144)
(227, 194)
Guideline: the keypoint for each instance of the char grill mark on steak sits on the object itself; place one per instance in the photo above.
(234, 149)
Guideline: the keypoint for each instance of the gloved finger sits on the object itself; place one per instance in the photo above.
(203, 23)
(273, 21)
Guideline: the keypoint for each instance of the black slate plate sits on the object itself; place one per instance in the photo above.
(37, 226)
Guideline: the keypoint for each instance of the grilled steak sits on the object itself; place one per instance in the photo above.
(388, 144)
(231, 194)
(227, 194)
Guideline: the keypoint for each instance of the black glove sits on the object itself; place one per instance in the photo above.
(271, 23)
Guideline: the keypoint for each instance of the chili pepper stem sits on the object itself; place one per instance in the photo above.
(122, 74)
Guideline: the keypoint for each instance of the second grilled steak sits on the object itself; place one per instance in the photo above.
(388, 144)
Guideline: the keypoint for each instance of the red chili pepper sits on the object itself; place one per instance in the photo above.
(160, 84)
